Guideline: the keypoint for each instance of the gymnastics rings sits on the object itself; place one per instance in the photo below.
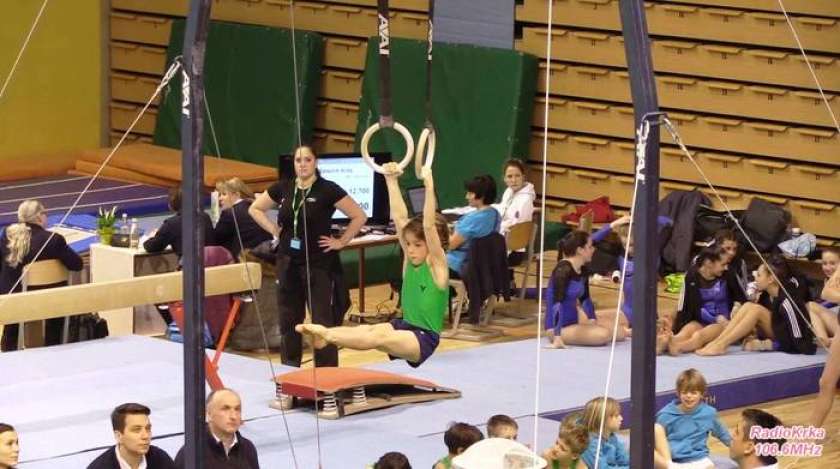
(425, 154)
(409, 145)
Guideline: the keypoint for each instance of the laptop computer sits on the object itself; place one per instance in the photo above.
(416, 200)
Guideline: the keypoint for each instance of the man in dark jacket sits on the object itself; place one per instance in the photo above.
(225, 447)
(133, 432)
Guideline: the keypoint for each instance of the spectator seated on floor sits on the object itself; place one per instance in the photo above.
(458, 438)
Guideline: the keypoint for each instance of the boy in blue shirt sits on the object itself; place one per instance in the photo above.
(687, 422)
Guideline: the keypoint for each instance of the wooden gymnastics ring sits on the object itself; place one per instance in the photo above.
(428, 135)
(409, 146)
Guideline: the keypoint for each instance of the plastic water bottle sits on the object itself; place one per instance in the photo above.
(124, 228)
(134, 234)
(215, 207)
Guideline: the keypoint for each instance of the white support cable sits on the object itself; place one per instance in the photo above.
(678, 140)
(810, 67)
(254, 293)
(176, 65)
(295, 73)
(296, 85)
(642, 134)
(541, 262)
(264, 336)
(22, 49)
(212, 127)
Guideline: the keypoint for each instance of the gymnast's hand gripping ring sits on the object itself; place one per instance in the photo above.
(427, 135)
(409, 146)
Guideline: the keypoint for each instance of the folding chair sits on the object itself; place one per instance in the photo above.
(39, 274)
(520, 236)
(214, 255)
(476, 258)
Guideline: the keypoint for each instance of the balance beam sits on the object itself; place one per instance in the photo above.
(100, 296)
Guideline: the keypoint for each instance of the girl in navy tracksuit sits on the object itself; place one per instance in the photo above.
(706, 302)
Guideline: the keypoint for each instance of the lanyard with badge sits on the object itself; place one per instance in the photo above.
(295, 242)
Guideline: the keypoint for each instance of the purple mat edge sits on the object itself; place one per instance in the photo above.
(157, 197)
(734, 393)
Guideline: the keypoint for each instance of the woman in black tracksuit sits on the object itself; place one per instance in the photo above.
(307, 253)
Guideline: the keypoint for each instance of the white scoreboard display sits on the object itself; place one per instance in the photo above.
(354, 176)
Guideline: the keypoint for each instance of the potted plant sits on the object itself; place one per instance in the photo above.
(105, 224)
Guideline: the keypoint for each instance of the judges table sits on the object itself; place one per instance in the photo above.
(114, 263)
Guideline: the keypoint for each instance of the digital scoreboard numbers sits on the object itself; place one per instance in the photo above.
(354, 176)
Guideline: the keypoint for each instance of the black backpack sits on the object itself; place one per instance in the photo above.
(87, 326)
(708, 221)
(765, 223)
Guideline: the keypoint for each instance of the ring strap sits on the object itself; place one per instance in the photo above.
(384, 28)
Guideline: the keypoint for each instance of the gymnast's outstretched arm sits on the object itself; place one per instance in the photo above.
(399, 212)
(436, 253)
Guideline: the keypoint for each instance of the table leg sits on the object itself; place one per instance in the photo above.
(361, 280)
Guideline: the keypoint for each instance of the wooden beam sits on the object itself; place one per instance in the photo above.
(100, 296)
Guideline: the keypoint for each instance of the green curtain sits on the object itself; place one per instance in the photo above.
(482, 103)
(249, 85)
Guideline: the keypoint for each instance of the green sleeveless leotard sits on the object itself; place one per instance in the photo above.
(423, 303)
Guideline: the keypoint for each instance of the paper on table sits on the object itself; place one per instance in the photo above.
(72, 235)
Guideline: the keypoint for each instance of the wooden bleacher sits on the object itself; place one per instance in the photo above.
(699, 94)
(696, 22)
(140, 31)
(695, 58)
(727, 72)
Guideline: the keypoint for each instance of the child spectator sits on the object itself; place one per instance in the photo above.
(688, 421)
(502, 426)
(572, 441)
(392, 460)
(613, 453)
(458, 438)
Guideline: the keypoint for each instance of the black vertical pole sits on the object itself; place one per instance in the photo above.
(192, 170)
(643, 361)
